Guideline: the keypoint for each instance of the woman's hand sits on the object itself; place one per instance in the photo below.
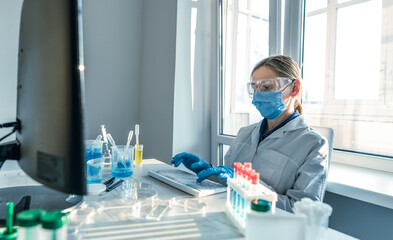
(191, 161)
(222, 172)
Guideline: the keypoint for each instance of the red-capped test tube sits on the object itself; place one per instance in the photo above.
(248, 165)
(235, 195)
(254, 183)
(236, 170)
(248, 172)
(243, 178)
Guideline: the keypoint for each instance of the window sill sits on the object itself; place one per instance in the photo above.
(368, 185)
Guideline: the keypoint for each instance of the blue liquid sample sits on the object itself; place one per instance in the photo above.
(94, 172)
(234, 198)
(98, 180)
(121, 172)
(238, 203)
(96, 153)
(242, 207)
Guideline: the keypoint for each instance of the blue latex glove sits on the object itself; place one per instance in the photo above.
(222, 172)
(191, 161)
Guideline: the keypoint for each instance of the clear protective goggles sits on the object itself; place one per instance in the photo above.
(268, 85)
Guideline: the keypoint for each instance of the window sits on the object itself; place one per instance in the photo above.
(245, 42)
(347, 73)
(250, 30)
(346, 55)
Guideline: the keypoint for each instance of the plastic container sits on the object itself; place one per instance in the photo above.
(54, 225)
(93, 149)
(94, 169)
(317, 214)
(122, 161)
(29, 222)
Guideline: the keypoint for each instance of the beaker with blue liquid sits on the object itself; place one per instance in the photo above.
(93, 149)
(122, 161)
(94, 169)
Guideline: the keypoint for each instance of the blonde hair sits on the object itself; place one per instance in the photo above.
(284, 66)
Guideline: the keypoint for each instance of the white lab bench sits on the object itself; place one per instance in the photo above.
(108, 217)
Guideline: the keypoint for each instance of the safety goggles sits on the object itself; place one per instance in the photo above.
(268, 85)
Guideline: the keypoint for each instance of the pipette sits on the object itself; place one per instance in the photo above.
(109, 136)
(138, 148)
(137, 134)
(103, 130)
(98, 138)
(130, 135)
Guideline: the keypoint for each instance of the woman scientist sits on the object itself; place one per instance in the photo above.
(290, 156)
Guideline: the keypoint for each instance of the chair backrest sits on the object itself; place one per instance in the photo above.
(328, 133)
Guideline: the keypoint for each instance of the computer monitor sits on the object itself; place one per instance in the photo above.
(50, 94)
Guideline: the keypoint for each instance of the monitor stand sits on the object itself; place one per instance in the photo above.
(35, 197)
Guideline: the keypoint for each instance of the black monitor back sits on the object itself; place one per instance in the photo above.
(50, 94)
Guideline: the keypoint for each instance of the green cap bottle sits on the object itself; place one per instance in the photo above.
(54, 220)
(259, 205)
(29, 218)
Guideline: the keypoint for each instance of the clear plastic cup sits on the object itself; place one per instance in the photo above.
(93, 149)
(94, 168)
(122, 161)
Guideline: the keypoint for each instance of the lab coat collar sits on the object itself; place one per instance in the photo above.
(295, 124)
(255, 134)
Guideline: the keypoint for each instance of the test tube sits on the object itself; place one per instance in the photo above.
(244, 187)
(248, 165)
(247, 183)
(236, 178)
(248, 175)
(241, 185)
(254, 183)
(236, 166)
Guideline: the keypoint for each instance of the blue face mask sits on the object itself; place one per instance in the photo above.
(269, 104)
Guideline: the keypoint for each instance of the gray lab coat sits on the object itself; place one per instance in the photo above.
(293, 160)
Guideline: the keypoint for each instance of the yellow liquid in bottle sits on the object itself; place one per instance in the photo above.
(138, 155)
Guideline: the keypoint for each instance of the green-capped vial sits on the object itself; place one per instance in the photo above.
(54, 225)
(54, 220)
(259, 205)
(29, 218)
(29, 223)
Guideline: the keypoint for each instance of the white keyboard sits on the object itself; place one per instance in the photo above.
(186, 182)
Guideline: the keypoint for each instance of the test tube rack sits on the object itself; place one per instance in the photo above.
(261, 193)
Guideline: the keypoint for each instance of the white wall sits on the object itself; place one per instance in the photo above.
(131, 57)
(113, 60)
(193, 81)
(10, 11)
(157, 78)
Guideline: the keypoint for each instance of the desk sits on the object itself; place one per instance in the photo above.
(110, 218)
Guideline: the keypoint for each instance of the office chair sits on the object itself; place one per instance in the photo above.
(328, 133)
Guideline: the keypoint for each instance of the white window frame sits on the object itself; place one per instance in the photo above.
(331, 105)
(293, 47)
(294, 35)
